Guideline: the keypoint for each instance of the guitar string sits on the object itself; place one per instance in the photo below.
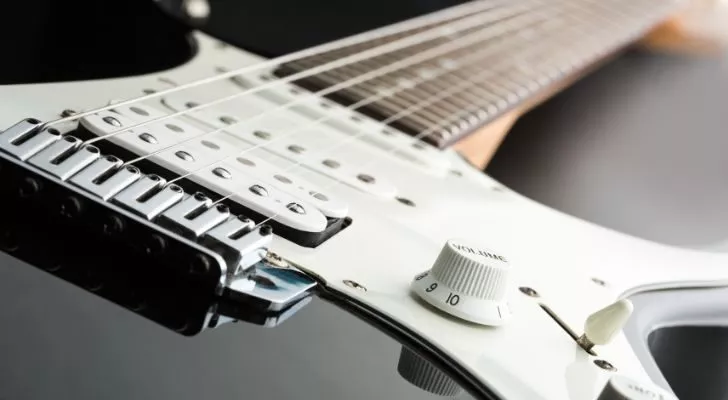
(337, 182)
(419, 58)
(451, 13)
(298, 128)
(409, 41)
(454, 91)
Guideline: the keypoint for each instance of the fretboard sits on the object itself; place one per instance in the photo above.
(496, 58)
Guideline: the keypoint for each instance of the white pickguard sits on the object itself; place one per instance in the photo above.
(389, 242)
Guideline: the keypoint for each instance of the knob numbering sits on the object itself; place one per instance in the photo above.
(468, 282)
(621, 387)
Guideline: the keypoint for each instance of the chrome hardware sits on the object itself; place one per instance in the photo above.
(193, 216)
(296, 208)
(193, 240)
(137, 197)
(93, 178)
(23, 139)
(272, 288)
(48, 158)
(239, 243)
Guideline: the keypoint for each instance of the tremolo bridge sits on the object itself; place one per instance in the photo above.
(178, 258)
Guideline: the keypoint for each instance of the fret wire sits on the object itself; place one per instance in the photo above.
(411, 96)
(538, 63)
(446, 14)
(395, 107)
(530, 76)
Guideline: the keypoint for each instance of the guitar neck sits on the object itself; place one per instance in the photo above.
(473, 76)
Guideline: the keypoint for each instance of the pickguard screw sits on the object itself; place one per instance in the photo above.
(354, 285)
(599, 282)
(67, 113)
(603, 364)
(528, 291)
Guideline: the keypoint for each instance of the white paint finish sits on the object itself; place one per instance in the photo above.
(388, 243)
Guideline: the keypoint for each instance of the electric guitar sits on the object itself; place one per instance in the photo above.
(197, 184)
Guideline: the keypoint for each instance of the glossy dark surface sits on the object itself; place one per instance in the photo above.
(59, 341)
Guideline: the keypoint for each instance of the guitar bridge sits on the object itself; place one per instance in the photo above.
(132, 237)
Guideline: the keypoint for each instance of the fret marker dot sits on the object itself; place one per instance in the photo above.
(405, 83)
(426, 73)
(448, 64)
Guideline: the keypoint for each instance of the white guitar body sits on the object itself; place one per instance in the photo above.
(389, 242)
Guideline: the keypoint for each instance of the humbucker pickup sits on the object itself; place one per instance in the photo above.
(136, 239)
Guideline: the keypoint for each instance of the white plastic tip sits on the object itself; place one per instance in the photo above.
(604, 325)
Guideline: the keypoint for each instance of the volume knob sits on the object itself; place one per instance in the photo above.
(469, 282)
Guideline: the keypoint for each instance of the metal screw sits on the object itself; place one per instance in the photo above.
(67, 113)
(456, 172)
(148, 138)
(259, 190)
(528, 291)
(112, 121)
(276, 260)
(354, 285)
(603, 364)
(599, 282)
(296, 208)
(185, 156)
(296, 148)
(222, 173)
